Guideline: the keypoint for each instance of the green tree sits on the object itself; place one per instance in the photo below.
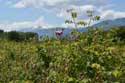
(14, 36)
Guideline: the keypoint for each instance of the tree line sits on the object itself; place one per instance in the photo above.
(18, 36)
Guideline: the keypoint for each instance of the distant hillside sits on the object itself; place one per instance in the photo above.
(51, 31)
(111, 23)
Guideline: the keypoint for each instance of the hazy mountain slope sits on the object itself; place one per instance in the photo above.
(111, 23)
(51, 31)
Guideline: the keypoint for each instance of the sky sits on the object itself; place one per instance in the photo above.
(19, 14)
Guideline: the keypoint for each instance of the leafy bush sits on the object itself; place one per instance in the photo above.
(92, 57)
(119, 32)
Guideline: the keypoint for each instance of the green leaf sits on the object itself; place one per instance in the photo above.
(95, 65)
(70, 80)
(86, 80)
(96, 18)
(116, 73)
(68, 22)
(74, 14)
(82, 23)
(90, 13)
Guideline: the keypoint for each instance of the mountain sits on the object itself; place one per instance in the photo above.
(111, 23)
(51, 31)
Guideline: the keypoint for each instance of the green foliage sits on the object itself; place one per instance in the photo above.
(1, 31)
(90, 13)
(92, 17)
(18, 36)
(96, 18)
(74, 15)
(94, 57)
(14, 36)
(119, 32)
(68, 21)
(82, 23)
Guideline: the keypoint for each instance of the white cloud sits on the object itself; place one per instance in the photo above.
(8, 26)
(56, 3)
(26, 3)
(13, 26)
(112, 14)
(97, 1)
(38, 3)
(79, 9)
(60, 7)
(40, 23)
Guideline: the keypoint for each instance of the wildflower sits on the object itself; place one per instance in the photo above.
(59, 32)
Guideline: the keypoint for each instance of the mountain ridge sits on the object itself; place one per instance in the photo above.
(106, 24)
